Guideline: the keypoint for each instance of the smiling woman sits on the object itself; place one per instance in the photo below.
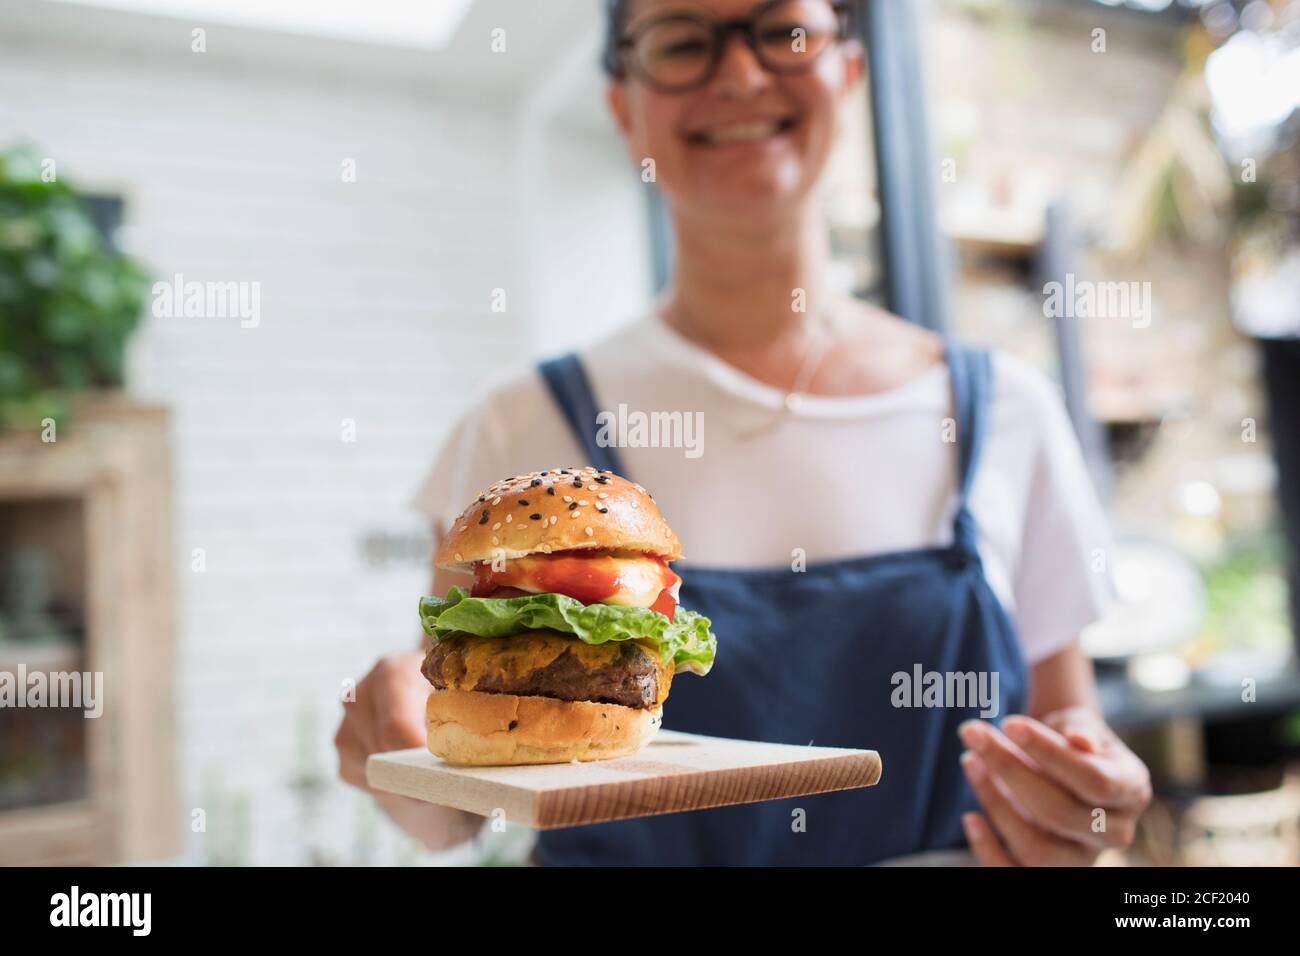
(875, 500)
(773, 145)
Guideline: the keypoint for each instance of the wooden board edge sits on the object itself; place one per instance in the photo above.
(556, 809)
(519, 805)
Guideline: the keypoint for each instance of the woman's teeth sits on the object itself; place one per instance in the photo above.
(740, 132)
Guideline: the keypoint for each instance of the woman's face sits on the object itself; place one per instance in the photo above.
(749, 142)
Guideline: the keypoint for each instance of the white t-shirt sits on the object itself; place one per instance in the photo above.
(838, 477)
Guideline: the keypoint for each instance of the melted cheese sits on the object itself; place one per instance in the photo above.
(472, 659)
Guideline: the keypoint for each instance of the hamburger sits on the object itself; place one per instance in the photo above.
(568, 642)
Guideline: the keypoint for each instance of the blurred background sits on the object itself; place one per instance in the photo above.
(208, 499)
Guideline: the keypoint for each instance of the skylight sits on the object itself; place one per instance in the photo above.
(422, 24)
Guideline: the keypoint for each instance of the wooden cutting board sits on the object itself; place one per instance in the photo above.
(675, 772)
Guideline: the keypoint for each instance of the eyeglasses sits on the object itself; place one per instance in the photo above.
(682, 51)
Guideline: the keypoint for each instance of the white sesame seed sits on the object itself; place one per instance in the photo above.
(496, 540)
(588, 530)
(591, 487)
(574, 514)
(509, 518)
(602, 495)
(496, 500)
(458, 557)
(554, 519)
(497, 526)
(567, 498)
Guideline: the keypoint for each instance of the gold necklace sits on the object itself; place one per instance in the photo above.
(792, 398)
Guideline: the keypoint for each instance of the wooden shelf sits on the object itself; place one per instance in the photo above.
(62, 656)
(58, 834)
(97, 503)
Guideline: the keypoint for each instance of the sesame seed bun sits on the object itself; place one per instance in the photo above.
(559, 509)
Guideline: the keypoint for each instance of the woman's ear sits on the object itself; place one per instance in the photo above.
(855, 62)
(619, 108)
(616, 100)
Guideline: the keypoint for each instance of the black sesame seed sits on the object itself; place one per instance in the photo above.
(535, 516)
(602, 479)
(482, 497)
(524, 502)
(550, 490)
(483, 520)
(573, 505)
(577, 482)
(513, 725)
(564, 471)
(601, 510)
(535, 482)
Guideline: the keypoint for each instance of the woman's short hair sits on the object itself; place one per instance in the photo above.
(616, 16)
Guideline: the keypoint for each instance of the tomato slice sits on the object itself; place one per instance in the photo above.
(588, 581)
(584, 577)
(665, 604)
(484, 585)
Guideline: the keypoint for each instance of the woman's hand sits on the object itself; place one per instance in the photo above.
(388, 714)
(1055, 792)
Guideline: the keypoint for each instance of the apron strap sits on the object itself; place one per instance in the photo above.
(971, 370)
(571, 389)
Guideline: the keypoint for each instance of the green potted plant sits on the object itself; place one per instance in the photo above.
(68, 300)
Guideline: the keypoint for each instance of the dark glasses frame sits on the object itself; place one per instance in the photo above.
(747, 27)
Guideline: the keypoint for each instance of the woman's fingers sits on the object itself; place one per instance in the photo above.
(386, 714)
(395, 692)
(1079, 726)
(1048, 804)
(1112, 777)
(356, 718)
(984, 842)
(1025, 842)
(352, 756)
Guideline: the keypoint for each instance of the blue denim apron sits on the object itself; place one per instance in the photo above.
(811, 657)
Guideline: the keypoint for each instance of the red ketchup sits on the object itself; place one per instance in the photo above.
(582, 577)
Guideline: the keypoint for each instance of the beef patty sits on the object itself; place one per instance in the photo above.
(546, 664)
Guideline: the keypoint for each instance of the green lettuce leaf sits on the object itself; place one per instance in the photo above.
(685, 641)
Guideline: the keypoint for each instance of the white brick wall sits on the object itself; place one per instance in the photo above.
(374, 307)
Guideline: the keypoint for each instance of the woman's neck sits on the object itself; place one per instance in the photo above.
(734, 295)
(746, 290)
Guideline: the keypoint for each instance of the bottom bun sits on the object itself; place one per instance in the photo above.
(472, 727)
